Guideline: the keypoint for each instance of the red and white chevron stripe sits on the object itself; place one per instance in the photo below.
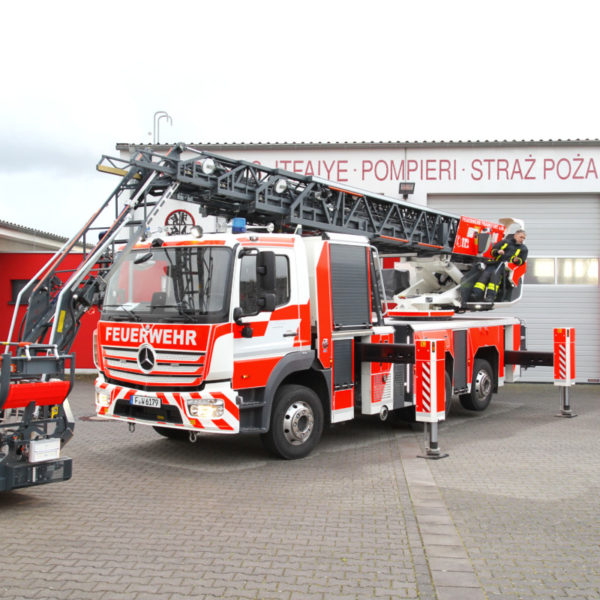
(426, 386)
(430, 380)
(120, 396)
(564, 356)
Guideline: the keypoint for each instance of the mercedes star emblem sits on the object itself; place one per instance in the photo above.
(146, 359)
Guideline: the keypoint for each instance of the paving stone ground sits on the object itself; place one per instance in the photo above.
(511, 513)
(523, 488)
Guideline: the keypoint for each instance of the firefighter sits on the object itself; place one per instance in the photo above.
(510, 249)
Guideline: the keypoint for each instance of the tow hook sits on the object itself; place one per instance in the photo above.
(131, 427)
(193, 437)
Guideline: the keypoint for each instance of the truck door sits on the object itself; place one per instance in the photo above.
(263, 337)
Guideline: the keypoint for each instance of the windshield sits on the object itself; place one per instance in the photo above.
(189, 284)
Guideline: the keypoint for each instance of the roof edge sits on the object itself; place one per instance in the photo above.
(31, 231)
(212, 146)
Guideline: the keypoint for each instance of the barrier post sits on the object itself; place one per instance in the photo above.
(430, 389)
(564, 367)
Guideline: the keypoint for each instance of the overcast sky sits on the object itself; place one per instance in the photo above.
(78, 77)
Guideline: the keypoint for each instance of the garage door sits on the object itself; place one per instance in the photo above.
(561, 285)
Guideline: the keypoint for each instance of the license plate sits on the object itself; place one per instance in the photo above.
(148, 401)
(42, 450)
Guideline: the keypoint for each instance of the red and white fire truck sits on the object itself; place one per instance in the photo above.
(225, 326)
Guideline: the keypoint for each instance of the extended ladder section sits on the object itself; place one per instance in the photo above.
(229, 188)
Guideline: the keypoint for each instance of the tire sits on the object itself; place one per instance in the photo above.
(296, 423)
(482, 387)
(172, 434)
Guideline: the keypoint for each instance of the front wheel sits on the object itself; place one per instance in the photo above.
(296, 422)
(482, 387)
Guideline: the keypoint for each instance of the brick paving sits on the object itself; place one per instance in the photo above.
(511, 513)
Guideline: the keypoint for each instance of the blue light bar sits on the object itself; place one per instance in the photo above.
(238, 225)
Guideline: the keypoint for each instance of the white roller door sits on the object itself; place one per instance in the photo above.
(560, 229)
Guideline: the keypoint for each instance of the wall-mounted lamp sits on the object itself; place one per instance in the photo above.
(406, 188)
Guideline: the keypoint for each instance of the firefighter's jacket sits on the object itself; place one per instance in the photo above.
(513, 252)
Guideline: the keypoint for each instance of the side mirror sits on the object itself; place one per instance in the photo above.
(238, 313)
(267, 302)
(265, 270)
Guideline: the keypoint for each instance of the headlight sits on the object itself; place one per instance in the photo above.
(205, 408)
(103, 399)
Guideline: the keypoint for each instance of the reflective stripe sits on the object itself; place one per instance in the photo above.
(498, 251)
(479, 285)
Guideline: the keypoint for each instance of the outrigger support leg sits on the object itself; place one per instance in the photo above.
(432, 449)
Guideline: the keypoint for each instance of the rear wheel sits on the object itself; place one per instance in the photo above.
(296, 422)
(482, 387)
(172, 434)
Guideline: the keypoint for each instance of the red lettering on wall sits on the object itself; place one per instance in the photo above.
(591, 169)
(563, 168)
(502, 167)
(477, 175)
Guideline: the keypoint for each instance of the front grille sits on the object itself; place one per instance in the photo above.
(164, 414)
(173, 368)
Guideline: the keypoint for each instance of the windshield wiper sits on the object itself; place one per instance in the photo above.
(182, 312)
(133, 315)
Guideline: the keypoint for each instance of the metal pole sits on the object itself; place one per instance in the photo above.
(155, 123)
(432, 449)
(565, 409)
(162, 116)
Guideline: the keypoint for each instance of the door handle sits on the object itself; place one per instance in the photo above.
(290, 334)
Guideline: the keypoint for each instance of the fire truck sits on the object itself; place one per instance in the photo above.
(292, 304)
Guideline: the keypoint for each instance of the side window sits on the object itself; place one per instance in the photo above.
(562, 271)
(282, 280)
(250, 289)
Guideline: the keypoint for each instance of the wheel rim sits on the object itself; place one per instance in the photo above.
(483, 385)
(298, 423)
